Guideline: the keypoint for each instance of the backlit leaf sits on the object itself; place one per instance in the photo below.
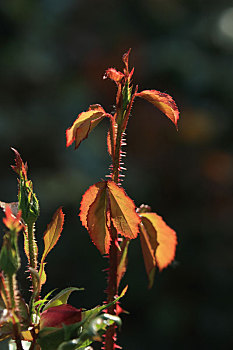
(114, 75)
(42, 274)
(162, 101)
(98, 220)
(85, 122)
(19, 167)
(122, 260)
(61, 297)
(149, 244)
(123, 214)
(53, 232)
(13, 206)
(104, 204)
(156, 232)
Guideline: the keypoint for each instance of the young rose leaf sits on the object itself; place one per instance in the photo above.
(158, 243)
(61, 297)
(149, 244)
(122, 260)
(85, 123)
(98, 220)
(42, 274)
(162, 101)
(53, 232)
(103, 203)
(13, 206)
(11, 221)
(123, 213)
(114, 75)
(19, 167)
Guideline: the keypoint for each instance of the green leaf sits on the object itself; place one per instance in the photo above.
(9, 256)
(51, 338)
(42, 273)
(61, 297)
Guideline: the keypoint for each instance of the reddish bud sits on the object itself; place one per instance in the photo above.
(57, 316)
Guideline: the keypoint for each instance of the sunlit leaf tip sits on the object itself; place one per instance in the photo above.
(84, 124)
(162, 101)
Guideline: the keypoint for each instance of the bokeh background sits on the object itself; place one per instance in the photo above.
(53, 57)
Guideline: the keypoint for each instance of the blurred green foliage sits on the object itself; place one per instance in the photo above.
(53, 56)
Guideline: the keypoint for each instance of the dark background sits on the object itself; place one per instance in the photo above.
(53, 56)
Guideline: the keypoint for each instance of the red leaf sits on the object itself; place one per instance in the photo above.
(13, 206)
(123, 214)
(162, 101)
(11, 221)
(98, 220)
(105, 203)
(158, 243)
(125, 59)
(85, 123)
(87, 200)
(19, 165)
(57, 316)
(114, 75)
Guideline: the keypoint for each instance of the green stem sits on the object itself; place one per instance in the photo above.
(16, 326)
(32, 257)
(12, 293)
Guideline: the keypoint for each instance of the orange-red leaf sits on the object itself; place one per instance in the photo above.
(11, 221)
(158, 243)
(87, 200)
(53, 232)
(98, 220)
(122, 260)
(85, 122)
(162, 101)
(19, 165)
(123, 213)
(114, 75)
(149, 244)
(105, 203)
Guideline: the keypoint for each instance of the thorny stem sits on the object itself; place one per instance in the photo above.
(112, 288)
(32, 258)
(11, 290)
(116, 162)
